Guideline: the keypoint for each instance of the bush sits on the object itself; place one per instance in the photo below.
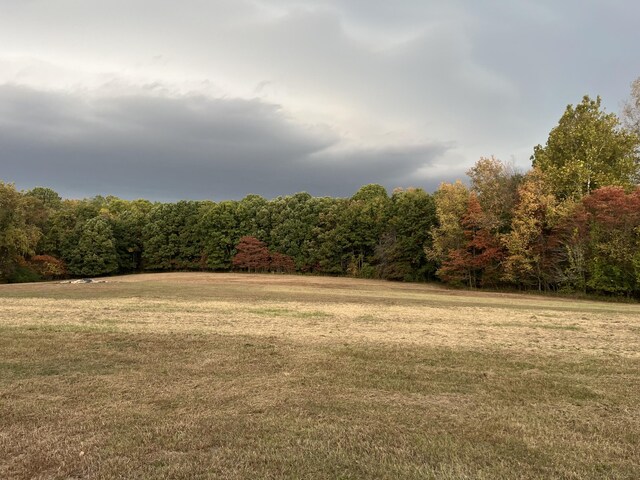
(48, 267)
(24, 274)
(367, 271)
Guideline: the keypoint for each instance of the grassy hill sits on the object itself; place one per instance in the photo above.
(273, 376)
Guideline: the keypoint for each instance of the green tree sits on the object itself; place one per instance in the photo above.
(587, 150)
(128, 220)
(361, 227)
(64, 225)
(294, 219)
(495, 183)
(400, 254)
(95, 253)
(172, 239)
(218, 227)
(348, 231)
(329, 242)
(18, 236)
(451, 201)
(48, 197)
(254, 217)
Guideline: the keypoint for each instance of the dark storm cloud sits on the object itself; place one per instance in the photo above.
(418, 83)
(173, 147)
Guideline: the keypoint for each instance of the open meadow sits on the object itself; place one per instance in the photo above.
(196, 375)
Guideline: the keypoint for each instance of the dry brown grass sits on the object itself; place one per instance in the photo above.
(269, 376)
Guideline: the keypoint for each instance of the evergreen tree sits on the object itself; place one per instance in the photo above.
(400, 253)
(218, 228)
(95, 254)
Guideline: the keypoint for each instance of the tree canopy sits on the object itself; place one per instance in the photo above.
(571, 223)
(587, 150)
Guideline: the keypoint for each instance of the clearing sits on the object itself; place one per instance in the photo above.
(196, 375)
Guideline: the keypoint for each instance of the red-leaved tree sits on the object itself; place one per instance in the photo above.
(252, 254)
(477, 262)
(281, 263)
(607, 226)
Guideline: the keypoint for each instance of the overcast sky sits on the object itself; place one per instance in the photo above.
(217, 99)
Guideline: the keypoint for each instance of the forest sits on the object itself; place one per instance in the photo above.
(570, 224)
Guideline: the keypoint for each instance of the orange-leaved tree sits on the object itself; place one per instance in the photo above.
(477, 261)
(48, 267)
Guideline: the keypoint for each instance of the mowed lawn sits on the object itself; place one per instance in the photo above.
(188, 376)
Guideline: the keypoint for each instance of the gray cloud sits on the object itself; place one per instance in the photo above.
(170, 84)
(184, 147)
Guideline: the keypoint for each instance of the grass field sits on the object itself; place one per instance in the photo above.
(188, 376)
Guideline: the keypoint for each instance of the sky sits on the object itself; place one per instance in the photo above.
(217, 99)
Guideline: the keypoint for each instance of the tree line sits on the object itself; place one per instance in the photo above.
(571, 223)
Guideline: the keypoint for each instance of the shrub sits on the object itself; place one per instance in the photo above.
(48, 267)
(24, 274)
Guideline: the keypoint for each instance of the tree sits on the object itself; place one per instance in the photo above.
(610, 218)
(253, 217)
(48, 197)
(531, 243)
(477, 261)
(348, 231)
(172, 239)
(95, 253)
(631, 109)
(294, 219)
(588, 150)
(128, 220)
(495, 183)
(160, 238)
(448, 235)
(400, 254)
(48, 267)
(62, 233)
(18, 236)
(362, 224)
(279, 262)
(329, 241)
(252, 254)
(218, 227)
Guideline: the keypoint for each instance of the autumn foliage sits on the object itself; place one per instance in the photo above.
(569, 224)
(48, 267)
(476, 262)
(281, 263)
(253, 255)
(606, 227)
